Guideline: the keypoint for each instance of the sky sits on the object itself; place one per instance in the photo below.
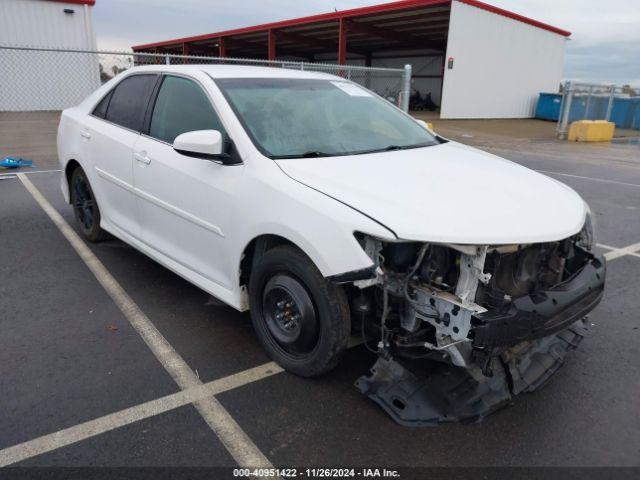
(604, 45)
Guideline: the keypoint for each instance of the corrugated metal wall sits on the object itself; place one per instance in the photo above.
(40, 81)
(40, 23)
(500, 65)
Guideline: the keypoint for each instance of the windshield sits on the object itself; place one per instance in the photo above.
(294, 118)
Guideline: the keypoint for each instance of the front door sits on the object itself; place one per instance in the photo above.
(185, 204)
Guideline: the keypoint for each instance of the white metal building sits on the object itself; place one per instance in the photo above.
(36, 80)
(476, 60)
(500, 64)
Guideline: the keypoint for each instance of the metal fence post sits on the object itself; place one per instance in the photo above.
(167, 59)
(612, 95)
(586, 108)
(563, 126)
(406, 88)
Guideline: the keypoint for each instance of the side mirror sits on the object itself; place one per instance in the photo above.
(206, 144)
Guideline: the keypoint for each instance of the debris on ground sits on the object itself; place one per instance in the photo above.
(12, 162)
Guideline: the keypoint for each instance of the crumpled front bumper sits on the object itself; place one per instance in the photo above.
(524, 347)
(415, 398)
(543, 313)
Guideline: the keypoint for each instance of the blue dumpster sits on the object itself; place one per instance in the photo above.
(636, 116)
(625, 112)
(548, 107)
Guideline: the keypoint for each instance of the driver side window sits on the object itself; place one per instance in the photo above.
(182, 106)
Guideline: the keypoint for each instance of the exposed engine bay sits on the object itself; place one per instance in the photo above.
(504, 316)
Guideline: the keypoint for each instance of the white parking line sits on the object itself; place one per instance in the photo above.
(620, 252)
(28, 173)
(193, 391)
(83, 431)
(602, 180)
(239, 445)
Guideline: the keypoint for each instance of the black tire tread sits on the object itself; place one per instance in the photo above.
(338, 329)
(97, 234)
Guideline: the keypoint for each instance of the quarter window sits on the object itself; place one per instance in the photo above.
(181, 106)
(101, 109)
(129, 101)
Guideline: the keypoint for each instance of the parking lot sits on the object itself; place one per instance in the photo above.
(108, 359)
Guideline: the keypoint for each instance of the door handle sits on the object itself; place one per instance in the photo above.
(142, 158)
(85, 134)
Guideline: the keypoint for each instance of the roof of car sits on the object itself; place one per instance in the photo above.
(238, 71)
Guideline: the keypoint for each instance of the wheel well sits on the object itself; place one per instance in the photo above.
(68, 171)
(255, 249)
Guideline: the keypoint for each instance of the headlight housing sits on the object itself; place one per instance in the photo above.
(586, 237)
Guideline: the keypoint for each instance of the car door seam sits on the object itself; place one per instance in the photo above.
(164, 205)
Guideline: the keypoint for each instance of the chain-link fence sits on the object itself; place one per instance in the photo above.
(54, 79)
(589, 101)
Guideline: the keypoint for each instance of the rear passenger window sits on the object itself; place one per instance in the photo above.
(129, 101)
(181, 106)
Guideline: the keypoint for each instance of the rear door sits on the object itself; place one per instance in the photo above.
(111, 132)
(185, 204)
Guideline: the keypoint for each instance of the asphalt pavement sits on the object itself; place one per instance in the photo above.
(69, 355)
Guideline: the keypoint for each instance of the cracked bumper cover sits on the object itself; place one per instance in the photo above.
(454, 394)
(543, 313)
(529, 343)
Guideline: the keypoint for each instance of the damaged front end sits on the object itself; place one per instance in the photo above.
(504, 316)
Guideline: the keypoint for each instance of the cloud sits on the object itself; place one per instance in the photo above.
(607, 62)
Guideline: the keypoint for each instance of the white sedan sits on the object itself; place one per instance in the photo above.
(324, 209)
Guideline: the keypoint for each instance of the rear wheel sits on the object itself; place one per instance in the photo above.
(85, 207)
(301, 319)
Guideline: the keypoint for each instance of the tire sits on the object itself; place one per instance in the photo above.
(285, 282)
(85, 207)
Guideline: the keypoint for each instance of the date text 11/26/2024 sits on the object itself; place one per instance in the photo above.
(316, 473)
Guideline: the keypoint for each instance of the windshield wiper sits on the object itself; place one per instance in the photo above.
(317, 153)
(314, 154)
(408, 147)
(390, 148)
(310, 154)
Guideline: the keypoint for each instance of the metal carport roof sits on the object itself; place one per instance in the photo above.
(407, 24)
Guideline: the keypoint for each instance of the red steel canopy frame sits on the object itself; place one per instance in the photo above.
(403, 25)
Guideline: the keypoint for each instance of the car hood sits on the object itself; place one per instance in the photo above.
(448, 193)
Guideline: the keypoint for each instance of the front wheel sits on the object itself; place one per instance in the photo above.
(301, 319)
